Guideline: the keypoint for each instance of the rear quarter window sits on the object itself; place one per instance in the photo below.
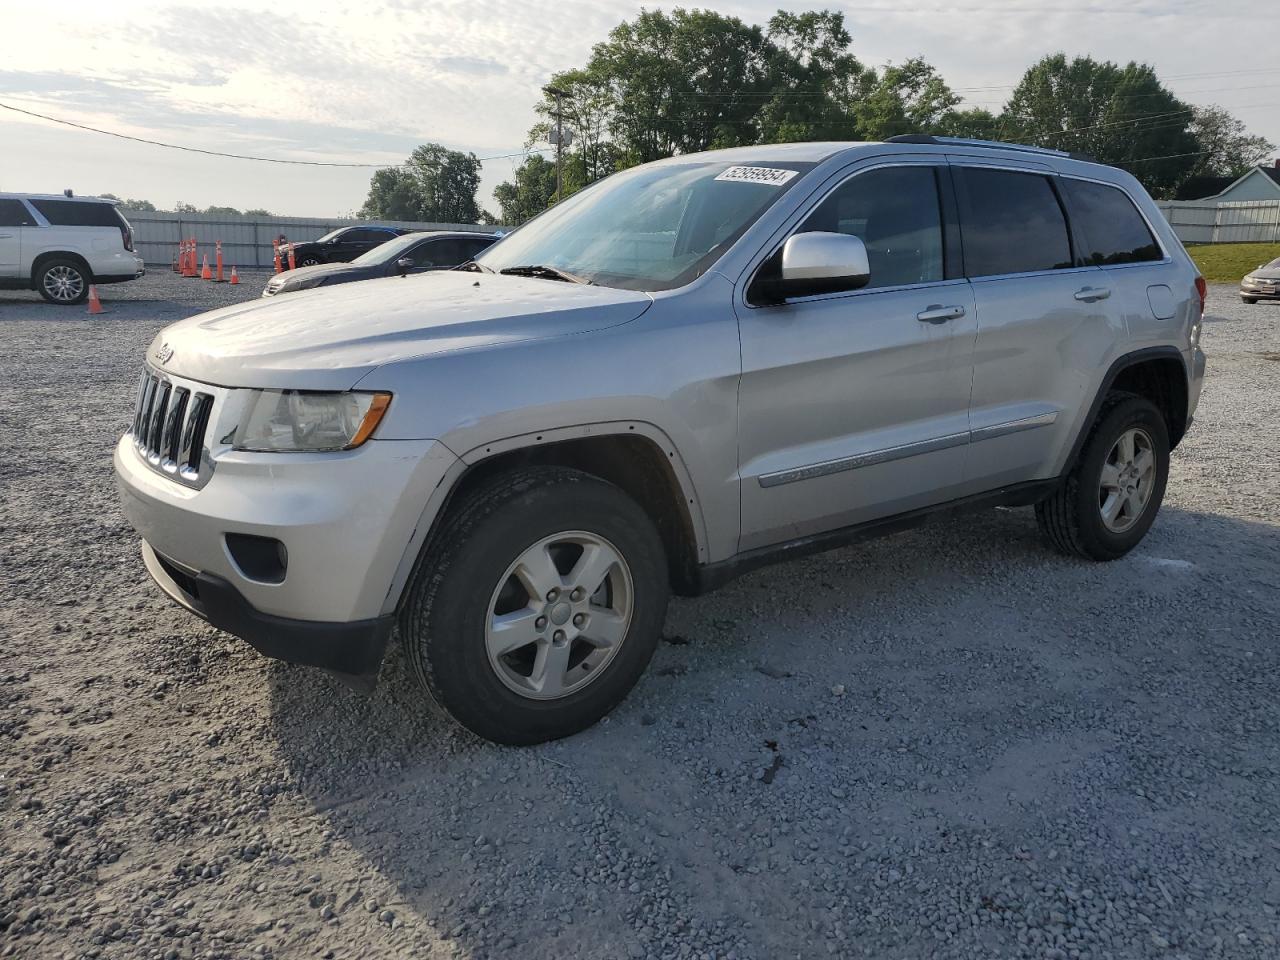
(1113, 229)
(79, 213)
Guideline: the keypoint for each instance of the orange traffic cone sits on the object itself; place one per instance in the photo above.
(206, 273)
(235, 277)
(293, 265)
(275, 250)
(95, 305)
(218, 276)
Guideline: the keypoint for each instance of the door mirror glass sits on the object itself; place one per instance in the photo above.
(404, 265)
(815, 263)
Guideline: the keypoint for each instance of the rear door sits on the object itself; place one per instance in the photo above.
(855, 406)
(14, 217)
(1046, 321)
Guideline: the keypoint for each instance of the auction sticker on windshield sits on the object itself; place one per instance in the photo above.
(767, 175)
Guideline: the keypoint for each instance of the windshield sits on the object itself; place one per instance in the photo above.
(329, 236)
(1274, 264)
(650, 228)
(391, 250)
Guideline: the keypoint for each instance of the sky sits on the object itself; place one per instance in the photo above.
(364, 81)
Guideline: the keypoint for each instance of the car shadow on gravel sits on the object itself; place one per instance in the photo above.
(577, 848)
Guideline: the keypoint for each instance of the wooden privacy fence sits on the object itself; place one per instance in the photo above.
(246, 241)
(1256, 221)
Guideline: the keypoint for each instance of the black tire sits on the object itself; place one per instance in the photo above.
(310, 261)
(73, 271)
(1070, 517)
(1249, 299)
(444, 616)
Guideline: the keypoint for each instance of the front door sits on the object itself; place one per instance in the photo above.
(855, 406)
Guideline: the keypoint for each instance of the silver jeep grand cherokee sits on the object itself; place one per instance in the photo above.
(685, 371)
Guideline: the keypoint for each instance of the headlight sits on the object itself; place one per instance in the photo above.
(296, 421)
(304, 283)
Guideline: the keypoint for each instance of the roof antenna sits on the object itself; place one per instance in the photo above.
(67, 192)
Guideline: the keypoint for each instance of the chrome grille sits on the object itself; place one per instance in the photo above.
(169, 424)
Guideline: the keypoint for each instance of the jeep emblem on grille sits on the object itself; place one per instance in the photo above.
(163, 353)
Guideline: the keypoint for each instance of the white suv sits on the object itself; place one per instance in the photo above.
(61, 244)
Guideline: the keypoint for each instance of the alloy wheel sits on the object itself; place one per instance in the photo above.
(1128, 475)
(559, 615)
(63, 283)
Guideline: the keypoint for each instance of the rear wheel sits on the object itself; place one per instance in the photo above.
(310, 261)
(537, 606)
(1249, 299)
(1110, 498)
(63, 281)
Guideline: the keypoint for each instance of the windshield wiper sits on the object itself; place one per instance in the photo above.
(544, 271)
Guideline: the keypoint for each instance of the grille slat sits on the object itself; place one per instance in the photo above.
(173, 426)
(193, 435)
(157, 419)
(169, 425)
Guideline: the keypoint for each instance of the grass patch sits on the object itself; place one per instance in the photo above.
(1228, 262)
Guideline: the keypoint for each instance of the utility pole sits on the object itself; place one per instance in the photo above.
(558, 113)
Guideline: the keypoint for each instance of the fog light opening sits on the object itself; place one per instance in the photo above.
(263, 559)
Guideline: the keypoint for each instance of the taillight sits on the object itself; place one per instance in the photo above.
(126, 237)
(1202, 289)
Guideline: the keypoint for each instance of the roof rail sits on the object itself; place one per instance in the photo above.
(989, 144)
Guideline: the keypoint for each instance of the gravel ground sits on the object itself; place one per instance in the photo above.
(949, 743)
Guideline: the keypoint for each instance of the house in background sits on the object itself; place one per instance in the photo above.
(1260, 183)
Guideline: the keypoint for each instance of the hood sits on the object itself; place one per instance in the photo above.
(1265, 273)
(325, 269)
(330, 337)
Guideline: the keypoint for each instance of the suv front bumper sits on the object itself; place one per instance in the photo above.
(345, 520)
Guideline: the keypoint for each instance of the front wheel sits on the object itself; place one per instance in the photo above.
(63, 281)
(537, 606)
(1110, 498)
(1249, 299)
(310, 262)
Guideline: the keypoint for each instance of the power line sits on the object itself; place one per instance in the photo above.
(237, 156)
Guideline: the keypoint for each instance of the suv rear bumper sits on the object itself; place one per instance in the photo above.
(350, 651)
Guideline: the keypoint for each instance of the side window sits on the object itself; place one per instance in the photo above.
(372, 236)
(437, 253)
(474, 247)
(14, 213)
(1114, 231)
(78, 213)
(896, 213)
(1011, 223)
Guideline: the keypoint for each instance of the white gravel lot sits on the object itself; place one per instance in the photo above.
(951, 743)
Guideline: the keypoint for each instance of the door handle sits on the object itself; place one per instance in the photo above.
(936, 313)
(1090, 294)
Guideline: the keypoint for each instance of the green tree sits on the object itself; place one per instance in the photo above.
(258, 212)
(129, 203)
(813, 79)
(435, 184)
(1119, 115)
(222, 210)
(529, 192)
(911, 98)
(1227, 148)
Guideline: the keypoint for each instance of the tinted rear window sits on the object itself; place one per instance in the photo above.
(1011, 223)
(78, 213)
(1114, 231)
(13, 213)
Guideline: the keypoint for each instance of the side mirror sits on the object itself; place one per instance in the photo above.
(404, 265)
(814, 263)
